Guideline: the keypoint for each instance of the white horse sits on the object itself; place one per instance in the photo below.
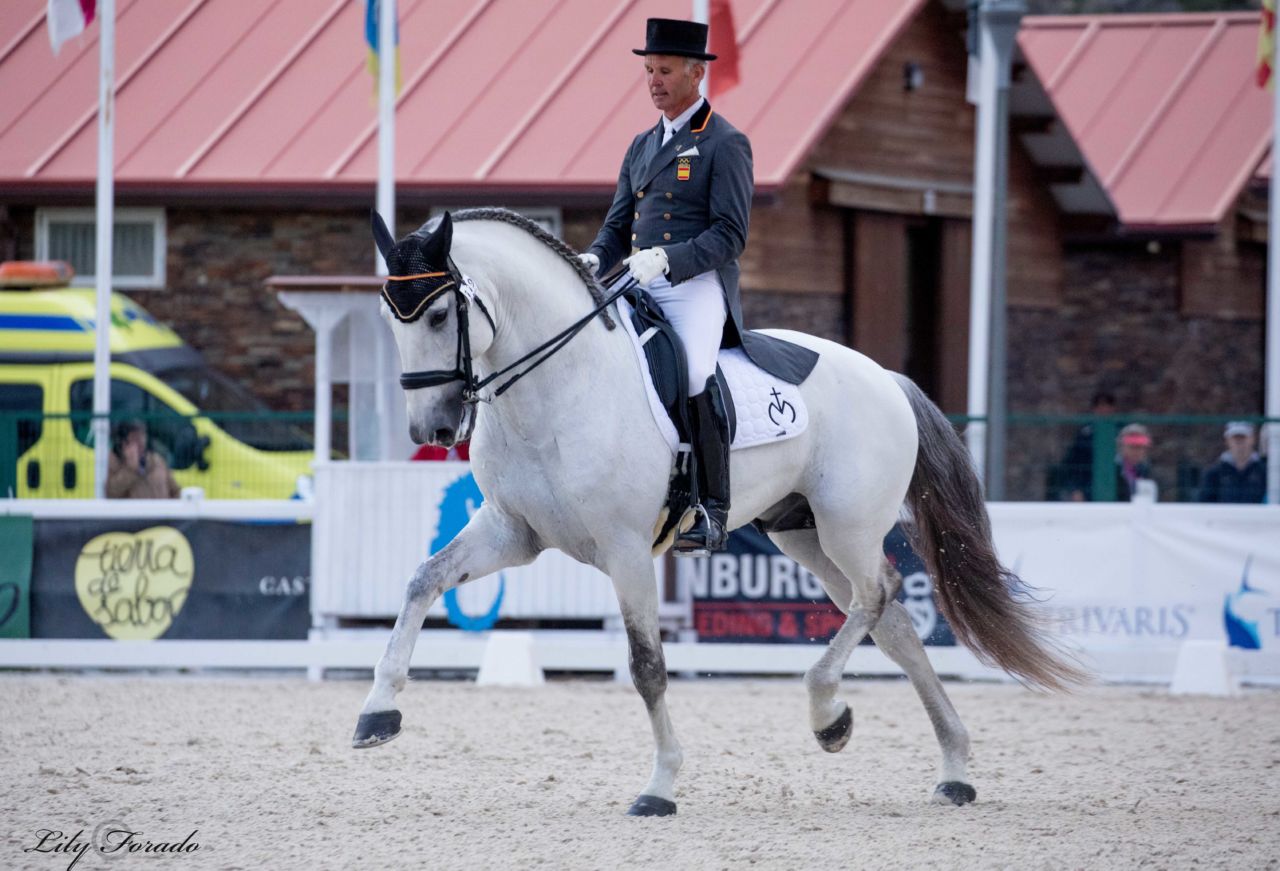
(571, 458)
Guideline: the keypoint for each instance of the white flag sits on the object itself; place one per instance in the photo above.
(68, 18)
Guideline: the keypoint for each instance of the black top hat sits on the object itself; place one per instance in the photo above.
(680, 38)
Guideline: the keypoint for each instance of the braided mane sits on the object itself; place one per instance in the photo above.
(515, 219)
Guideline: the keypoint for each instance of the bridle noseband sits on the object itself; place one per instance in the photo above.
(465, 290)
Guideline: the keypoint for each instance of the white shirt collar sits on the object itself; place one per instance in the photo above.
(669, 127)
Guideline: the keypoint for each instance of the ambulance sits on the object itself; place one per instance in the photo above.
(215, 435)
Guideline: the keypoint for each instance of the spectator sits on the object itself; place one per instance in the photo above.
(1240, 475)
(460, 451)
(1133, 446)
(133, 470)
(1076, 468)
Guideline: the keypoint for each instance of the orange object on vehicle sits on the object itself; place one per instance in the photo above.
(35, 273)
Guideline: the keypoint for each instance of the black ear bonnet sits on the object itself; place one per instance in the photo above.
(419, 268)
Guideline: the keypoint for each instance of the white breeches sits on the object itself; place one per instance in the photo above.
(696, 309)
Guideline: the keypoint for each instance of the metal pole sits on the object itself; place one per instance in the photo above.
(1272, 406)
(105, 219)
(702, 14)
(997, 22)
(980, 256)
(386, 122)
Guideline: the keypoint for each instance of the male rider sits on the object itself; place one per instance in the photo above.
(679, 218)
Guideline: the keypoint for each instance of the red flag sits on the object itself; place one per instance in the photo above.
(1266, 45)
(723, 42)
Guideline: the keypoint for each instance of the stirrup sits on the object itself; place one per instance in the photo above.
(694, 547)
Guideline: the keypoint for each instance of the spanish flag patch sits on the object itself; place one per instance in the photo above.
(682, 169)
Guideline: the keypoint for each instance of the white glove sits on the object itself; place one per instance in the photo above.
(647, 265)
(590, 261)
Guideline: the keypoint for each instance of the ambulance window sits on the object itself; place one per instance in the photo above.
(22, 404)
(169, 433)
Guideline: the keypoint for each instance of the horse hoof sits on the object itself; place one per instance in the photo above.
(834, 737)
(376, 728)
(954, 792)
(651, 806)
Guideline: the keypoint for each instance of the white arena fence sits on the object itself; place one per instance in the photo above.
(1126, 585)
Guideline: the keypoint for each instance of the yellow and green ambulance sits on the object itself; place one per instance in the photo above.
(47, 335)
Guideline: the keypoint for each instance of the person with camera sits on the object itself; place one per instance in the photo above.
(134, 471)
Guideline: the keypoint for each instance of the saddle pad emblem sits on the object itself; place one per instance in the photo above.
(682, 169)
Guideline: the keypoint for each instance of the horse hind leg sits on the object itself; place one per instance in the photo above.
(862, 603)
(895, 635)
(490, 541)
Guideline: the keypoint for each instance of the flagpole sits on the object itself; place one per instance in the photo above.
(1272, 323)
(386, 121)
(105, 221)
(701, 13)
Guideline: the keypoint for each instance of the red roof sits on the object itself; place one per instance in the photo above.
(499, 95)
(1163, 107)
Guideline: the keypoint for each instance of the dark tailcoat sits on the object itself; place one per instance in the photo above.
(697, 208)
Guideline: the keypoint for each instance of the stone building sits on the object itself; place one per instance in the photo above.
(1136, 224)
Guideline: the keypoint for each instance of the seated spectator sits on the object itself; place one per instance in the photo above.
(133, 470)
(1076, 468)
(1133, 445)
(1240, 475)
(460, 451)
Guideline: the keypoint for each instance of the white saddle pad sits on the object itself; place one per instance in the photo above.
(768, 409)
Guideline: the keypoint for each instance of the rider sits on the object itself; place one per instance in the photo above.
(681, 213)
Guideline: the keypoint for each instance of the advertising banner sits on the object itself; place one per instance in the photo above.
(16, 536)
(753, 593)
(188, 579)
(1138, 577)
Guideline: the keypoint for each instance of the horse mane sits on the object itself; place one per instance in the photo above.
(515, 219)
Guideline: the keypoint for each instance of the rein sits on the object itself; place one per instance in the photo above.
(462, 371)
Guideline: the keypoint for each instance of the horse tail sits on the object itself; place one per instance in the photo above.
(990, 610)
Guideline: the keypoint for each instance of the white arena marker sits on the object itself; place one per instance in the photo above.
(1203, 669)
(509, 661)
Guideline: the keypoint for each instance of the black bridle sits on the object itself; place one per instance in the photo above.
(465, 293)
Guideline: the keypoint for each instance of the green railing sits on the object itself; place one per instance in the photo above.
(262, 455)
(240, 455)
(1041, 465)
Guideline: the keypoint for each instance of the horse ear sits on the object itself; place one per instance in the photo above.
(381, 235)
(437, 246)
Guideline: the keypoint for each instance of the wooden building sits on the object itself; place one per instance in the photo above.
(1136, 226)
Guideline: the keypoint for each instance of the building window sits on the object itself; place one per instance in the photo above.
(548, 218)
(139, 247)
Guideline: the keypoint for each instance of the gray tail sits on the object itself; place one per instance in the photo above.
(990, 610)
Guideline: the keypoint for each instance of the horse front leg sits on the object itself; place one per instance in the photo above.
(491, 541)
(637, 589)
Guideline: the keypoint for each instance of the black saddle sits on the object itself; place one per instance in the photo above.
(664, 352)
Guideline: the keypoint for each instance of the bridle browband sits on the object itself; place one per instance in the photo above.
(464, 288)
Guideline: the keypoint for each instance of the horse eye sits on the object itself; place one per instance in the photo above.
(437, 319)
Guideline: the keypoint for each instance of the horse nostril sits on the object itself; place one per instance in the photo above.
(443, 436)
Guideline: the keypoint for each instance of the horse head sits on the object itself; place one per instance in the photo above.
(425, 302)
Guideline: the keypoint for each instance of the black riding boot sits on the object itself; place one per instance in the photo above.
(711, 442)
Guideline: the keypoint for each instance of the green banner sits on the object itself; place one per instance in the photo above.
(17, 542)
